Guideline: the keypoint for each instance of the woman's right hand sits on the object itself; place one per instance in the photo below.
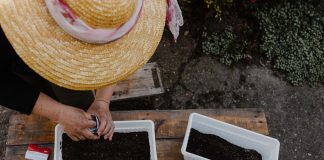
(76, 123)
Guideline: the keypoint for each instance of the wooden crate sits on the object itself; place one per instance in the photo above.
(145, 82)
(170, 126)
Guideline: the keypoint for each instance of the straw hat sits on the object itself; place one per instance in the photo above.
(53, 51)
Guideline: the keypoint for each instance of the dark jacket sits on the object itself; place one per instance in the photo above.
(20, 86)
(15, 92)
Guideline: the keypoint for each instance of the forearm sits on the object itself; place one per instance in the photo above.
(105, 93)
(47, 107)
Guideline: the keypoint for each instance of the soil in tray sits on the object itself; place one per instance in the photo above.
(130, 146)
(216, 148)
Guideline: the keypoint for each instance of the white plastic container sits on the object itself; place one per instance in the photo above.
(268, 147)
(120, 127)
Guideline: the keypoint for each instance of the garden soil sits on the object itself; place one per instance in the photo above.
(131, 146)
(214, 147)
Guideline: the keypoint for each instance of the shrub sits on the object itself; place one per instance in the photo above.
(227, 45)
(293, 38)
(217, 5)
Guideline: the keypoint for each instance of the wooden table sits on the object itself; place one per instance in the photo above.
(170, 126)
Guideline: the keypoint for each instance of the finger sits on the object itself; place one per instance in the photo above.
(111, 132)
(89, 135)
(74, 138)
(88, 115)
(110, 138)
(103, 124)
(107, 129)
(87, 123)
(90, 124)
(81, 137)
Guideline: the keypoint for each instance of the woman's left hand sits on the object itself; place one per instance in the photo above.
(101, 109)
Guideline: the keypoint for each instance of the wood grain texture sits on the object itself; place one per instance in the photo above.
(18, 152)
(167, 149)
(168, 123)
(145, 82)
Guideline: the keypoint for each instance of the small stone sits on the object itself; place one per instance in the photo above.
(309, 154)
(263, 103)
(186, 33)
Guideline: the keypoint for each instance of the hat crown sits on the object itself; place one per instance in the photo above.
(103, 13)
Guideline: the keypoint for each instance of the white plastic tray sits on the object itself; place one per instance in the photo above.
(120, 127)
(268, 147)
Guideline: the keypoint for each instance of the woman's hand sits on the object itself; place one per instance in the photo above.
(100, 108)
(76, 123)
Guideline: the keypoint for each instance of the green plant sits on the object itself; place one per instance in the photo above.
(217, 5)
(293, 38)
(227, 45)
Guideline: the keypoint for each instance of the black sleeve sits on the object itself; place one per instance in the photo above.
(15, 93)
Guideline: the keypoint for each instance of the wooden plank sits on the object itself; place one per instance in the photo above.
(18, 152)
(36, 128)
(173, 123)
(145, 82)
(166, 149)
(168, 123)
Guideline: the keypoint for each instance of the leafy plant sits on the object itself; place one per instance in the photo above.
(227, 45)
(293, 38)
(217, 5)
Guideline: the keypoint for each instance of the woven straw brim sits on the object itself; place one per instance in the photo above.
(73, 64)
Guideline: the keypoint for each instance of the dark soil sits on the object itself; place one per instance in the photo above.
(214, 147)
(130, 146)
(144, 103)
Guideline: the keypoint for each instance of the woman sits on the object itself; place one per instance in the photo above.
(68, 46)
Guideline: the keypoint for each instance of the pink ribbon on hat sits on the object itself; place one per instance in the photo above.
(174, 18)
(78, 29)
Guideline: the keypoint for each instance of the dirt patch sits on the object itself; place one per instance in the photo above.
(214, 147)
(132, 146)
